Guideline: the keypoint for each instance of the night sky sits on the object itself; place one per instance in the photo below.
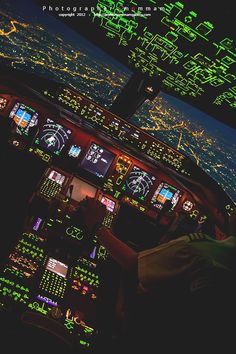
(33, 13)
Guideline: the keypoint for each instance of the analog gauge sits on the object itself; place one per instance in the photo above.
(187, 205)
(3, 103)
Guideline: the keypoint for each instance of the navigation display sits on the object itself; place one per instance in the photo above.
(138, 183)
(97, 160)
(163, 193)
(53, 137)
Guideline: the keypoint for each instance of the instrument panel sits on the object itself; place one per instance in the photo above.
(119, 129)
(82, 151)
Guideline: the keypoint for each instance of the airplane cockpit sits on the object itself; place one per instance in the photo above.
(128, 102)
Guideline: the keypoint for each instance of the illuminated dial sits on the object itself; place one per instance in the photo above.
(53, 137)
(138, 183)
(3, 103)
(187, 206)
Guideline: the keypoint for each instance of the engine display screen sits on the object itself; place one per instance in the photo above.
(138, 183)
(53, 137)
(97, 160)
(163, 193)
(57, 267)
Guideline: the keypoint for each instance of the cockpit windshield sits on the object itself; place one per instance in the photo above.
(208, 142)
(36, 42)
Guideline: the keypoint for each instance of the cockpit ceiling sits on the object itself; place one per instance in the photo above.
(186, 48)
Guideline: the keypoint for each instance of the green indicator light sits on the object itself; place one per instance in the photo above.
(192, 13)
(82, 342)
